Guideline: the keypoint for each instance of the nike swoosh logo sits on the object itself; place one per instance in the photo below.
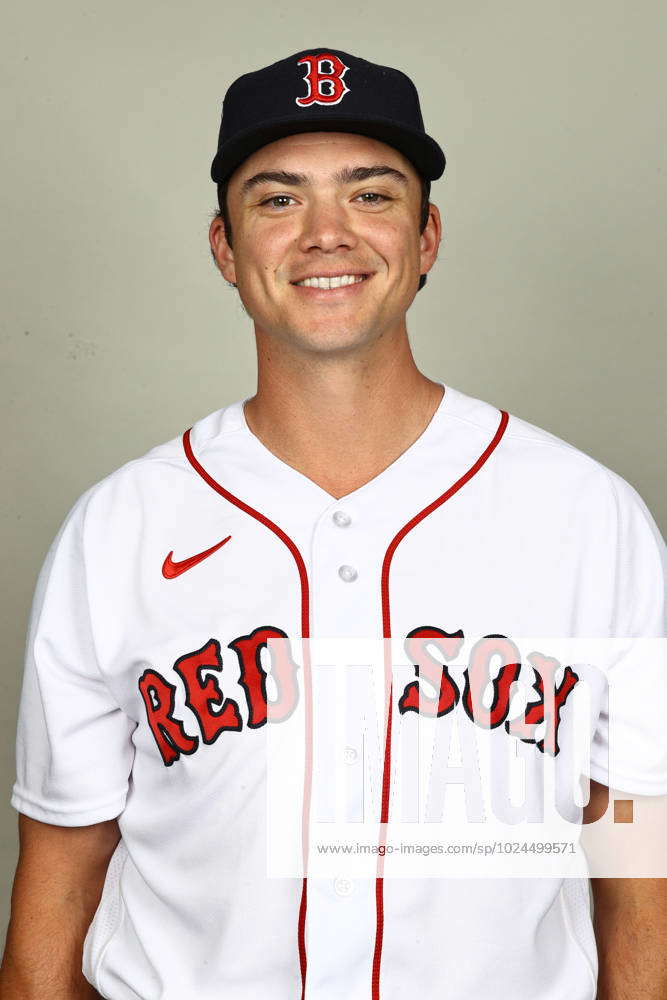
(171, 569)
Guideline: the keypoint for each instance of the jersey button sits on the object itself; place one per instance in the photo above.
(343, 886)
(341, 519)
(350, 755)
(347, 573)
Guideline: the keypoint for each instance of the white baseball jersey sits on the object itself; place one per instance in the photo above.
(145, 698)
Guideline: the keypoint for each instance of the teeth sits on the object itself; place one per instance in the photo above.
(344, 279)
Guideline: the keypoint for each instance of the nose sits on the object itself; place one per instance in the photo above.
(326, 227)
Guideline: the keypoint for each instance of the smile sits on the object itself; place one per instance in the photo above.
(335, 282)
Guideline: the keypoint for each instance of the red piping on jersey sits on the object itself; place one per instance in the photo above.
(305, 632)
(386, 633)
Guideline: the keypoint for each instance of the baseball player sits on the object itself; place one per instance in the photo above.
(352, 496)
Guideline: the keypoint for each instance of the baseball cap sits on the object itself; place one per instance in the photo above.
(318, 90)
(323, 89)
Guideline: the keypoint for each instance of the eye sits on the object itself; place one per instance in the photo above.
(277, 198)
(373, 197)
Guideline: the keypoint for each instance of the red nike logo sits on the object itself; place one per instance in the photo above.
(170, 569)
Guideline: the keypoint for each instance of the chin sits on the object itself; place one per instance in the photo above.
(330, 336)
(330, 341)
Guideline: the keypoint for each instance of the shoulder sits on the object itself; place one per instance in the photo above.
(537, 459)
(153, 485)
(561, 462)
(547, 481)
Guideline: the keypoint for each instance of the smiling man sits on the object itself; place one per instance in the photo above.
(327, 236)
(350, 497)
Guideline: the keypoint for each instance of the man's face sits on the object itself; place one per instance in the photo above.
(326, 205)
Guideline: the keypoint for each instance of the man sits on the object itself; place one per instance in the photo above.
(352, 496)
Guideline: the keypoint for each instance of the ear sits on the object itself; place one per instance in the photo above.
(429, 240)
(221, 249)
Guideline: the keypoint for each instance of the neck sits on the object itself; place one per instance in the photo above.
(341, 420)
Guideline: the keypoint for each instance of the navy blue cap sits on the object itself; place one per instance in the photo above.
(323, 89)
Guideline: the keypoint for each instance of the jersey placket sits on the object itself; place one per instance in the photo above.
(348, 543)
(343, 594)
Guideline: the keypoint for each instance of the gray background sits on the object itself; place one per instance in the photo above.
(548, 298)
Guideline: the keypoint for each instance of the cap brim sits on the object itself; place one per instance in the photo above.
(422, 151)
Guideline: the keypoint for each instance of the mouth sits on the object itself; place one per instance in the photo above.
(329, 283)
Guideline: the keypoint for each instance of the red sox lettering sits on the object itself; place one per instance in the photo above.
(477, 678)
(216, 714)
(158, 694)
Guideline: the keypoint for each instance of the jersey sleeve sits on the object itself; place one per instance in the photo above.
(629, 749)
(74, 750)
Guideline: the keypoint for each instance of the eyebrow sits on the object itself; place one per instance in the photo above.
(347, 175)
